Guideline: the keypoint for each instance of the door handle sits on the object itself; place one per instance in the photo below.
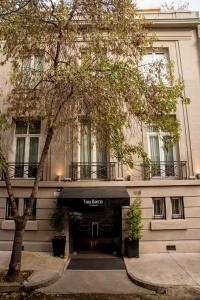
(97, 229)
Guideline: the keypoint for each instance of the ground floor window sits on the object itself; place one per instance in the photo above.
(177, 207)
(176, 211)
(159, 209)
(33, 212)
(9, 212)
(21, 204)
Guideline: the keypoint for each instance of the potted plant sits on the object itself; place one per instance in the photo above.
(57, 223)
(134, 228)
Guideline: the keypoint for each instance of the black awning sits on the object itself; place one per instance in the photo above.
(94, 196)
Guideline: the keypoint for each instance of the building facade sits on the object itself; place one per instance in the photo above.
(95, 190)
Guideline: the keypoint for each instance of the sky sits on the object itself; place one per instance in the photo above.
(193, 4)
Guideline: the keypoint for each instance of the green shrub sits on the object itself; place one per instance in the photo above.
(134, 219)
(57, 220)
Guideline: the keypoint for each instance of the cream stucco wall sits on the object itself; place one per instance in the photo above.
(177, 32)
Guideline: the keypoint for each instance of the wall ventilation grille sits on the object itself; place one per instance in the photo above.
(171, 247)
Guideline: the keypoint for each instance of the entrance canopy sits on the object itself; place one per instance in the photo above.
(94, 197)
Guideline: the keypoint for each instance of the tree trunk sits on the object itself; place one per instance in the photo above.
(13, 273)
(20, 221)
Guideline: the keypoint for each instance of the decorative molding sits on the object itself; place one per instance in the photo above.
(169, 224)
(10, 225)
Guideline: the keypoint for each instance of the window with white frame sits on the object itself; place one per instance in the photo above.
(177, 207)
(33, 212)
(162, 157)
(9, 212)
(93, 154)
(155, 66)
(159, 208)
(32, 68)
(26, 148)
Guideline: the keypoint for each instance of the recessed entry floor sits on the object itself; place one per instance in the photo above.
(95, 261)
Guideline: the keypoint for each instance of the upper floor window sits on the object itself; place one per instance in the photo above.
(26, 148)
(32, 68)
(155, 66)
(93, 153)
(177, 207)
(162, 158)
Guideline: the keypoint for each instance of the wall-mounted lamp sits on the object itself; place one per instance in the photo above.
(59, 175)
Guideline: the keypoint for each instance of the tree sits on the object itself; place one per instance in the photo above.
(8, 7)
(92, 56)
(172, 6)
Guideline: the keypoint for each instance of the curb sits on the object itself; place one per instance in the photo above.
(146, 284)
(4, 288)
(30, 286)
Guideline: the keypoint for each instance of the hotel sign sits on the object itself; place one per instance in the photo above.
(93, 202)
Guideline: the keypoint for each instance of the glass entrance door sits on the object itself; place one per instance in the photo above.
(96, 230)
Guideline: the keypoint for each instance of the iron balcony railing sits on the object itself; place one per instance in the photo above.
(105, 171)
(95, 171)
(21, 170)
(165, 170)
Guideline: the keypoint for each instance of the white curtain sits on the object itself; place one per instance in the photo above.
(85, 151)
(20, 150)
(154, 148)
(33, 150)
(169, 161)
(19, 158)
(85, 145)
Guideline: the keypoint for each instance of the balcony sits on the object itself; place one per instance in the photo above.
(93, 171)
(165, 170)
(104, 171)
(21, 170)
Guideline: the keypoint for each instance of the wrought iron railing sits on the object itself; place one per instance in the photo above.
(95, 171)
(106, 171)
(165, 170)
(21, 170)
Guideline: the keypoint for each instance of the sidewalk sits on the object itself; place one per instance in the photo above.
(162, 271)
(46, 268)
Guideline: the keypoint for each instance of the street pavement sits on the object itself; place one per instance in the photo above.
(94, 282)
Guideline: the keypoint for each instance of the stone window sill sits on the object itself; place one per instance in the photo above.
(10, 225)
(180, 224)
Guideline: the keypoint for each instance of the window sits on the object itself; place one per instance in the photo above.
(159, 209)
(32, 68)
(177, 208)
(9, 214)
(93, 154)
(26, 150)
(154, 65)
(162, 159)
(33, 213)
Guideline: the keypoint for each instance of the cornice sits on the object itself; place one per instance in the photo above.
(172, 19)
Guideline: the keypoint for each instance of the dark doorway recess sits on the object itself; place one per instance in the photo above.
(95, 217)
(95, 229)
